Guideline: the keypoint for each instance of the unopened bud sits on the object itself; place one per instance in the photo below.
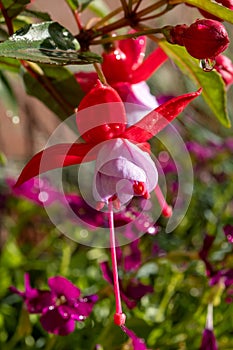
(203, 39)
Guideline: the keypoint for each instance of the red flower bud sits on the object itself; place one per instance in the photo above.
(176, 34)
(225, 67)
(205, 38)
(226, 3)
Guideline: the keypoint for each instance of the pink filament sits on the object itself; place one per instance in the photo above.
(114, 259)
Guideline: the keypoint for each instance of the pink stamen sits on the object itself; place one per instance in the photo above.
(166, 209)
(119, 317)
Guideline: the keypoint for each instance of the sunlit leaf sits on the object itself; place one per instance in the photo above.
(211, 7)
(46, 42)
(14, 7)
(214, 92)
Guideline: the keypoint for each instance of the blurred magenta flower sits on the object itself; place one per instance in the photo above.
(137, 343)
(126, 70)
(59, 307)
(39, 191)
(228, 231)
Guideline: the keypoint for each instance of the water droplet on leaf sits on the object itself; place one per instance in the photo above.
(207, 64)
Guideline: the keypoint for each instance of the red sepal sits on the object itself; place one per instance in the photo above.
(54, 157)
(107, 120)
(148, 66)
(159, 118)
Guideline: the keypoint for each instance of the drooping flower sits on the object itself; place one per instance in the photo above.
(59, 307)
(101, 120)
(126, 70)
(103, 132)
(208, 338)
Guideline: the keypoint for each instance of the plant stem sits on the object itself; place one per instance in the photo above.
(7, 19)
(114, 259)
(137, 6)
(109, 16)
(100, 73)
(151, 8)
(126, 36)
(125, 7)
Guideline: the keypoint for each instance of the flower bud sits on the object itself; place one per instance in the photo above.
(205, 38)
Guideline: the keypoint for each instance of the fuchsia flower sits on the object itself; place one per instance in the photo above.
(130, 162)
(59, 307)
(126, 70)
(208, 338)
(123, 166)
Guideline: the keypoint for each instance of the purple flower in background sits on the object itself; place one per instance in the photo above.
(36, 190)
(138, 343)
(60, 307)
(228, 231)
(36, 300)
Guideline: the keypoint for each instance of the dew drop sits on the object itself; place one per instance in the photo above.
(207, 64)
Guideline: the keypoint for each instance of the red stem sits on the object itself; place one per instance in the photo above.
(114, 259)
(7, 19)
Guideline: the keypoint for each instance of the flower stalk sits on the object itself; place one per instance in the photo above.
(119, 317)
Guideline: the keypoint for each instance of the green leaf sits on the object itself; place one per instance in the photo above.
(214, 92)
(73, 4)
(8, 97)
(63, 85)
(46, 42)
(209, 6)
(37, 14)
(14, 7)
(79, 5)
(100, 8)
(84, 4)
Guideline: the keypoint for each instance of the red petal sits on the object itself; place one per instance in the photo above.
(156, 120)
(149, 65)
(54, 157)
